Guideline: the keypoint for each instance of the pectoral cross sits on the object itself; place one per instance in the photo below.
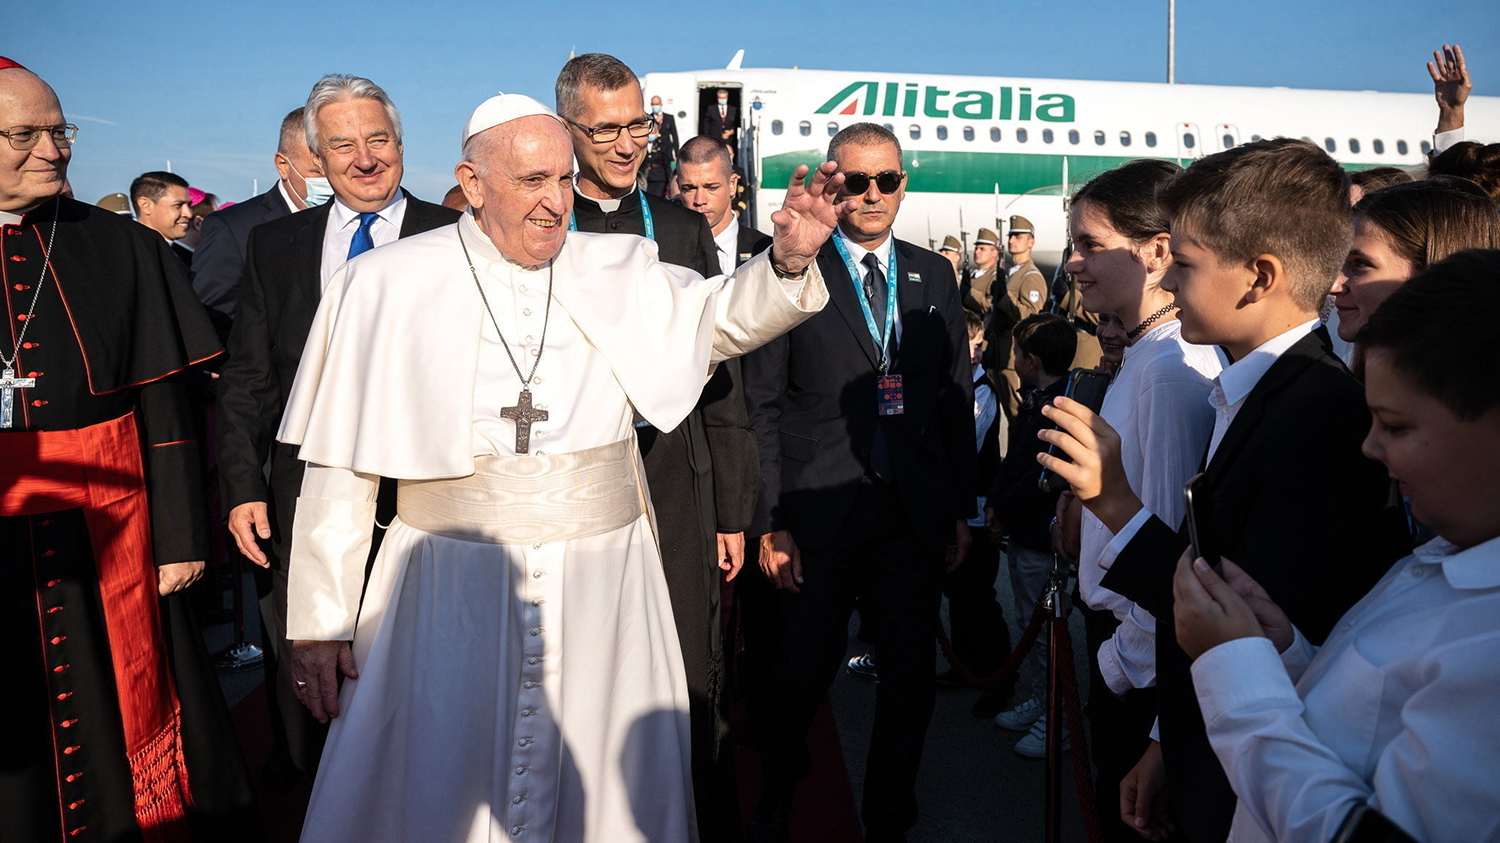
(523, 414)
(9, 383)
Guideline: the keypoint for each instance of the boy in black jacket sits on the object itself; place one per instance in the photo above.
(1043, 349)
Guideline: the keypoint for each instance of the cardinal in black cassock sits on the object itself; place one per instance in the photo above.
(117, 729)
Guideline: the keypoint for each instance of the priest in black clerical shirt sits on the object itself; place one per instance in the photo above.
(599, 98)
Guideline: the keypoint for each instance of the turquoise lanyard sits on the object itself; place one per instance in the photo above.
(864, 303)
(645, 212)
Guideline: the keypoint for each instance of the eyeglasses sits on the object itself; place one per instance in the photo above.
(610, 134)
(886, 182)
(27, 137)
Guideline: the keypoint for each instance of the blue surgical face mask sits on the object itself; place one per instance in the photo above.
(723, 100)
(655, 109)
(318, 188)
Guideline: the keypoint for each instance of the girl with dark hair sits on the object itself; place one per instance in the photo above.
(1159, 403)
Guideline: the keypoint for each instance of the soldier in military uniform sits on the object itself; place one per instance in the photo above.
(954, 252)
(1067, 302)
(1025, 285)
(1014, 295)
(977, 294)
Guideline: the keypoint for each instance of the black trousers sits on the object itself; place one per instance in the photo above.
(897, 576)
(981, 639)
(1119, 729)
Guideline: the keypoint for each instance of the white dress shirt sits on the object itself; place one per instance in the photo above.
(1396, 709)
(882, 256)
(986, 408)
(728, 243)
(286, 196)
(1441, 141)
(343, 221)
(1158, 404)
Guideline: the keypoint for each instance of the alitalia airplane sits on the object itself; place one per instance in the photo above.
(979, 149)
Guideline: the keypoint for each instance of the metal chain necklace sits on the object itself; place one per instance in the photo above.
(9, 383)
(523, 414)
(1150, 320)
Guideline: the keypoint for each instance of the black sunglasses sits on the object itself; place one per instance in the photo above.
(887, 182)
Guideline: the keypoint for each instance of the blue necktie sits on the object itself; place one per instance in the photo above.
(362, 242)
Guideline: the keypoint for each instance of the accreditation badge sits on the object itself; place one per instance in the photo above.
(889, 400)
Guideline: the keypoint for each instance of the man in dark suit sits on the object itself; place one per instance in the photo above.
(865, 422)
(1293, 500)
(355, 132)
(702, 474)
(661, 149)
(218, 268)
(161, 204)
(722, 120)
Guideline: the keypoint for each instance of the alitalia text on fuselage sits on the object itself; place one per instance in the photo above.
(910, 99)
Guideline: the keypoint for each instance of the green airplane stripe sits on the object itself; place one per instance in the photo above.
(978, 172)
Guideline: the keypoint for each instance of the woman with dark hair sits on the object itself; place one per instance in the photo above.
(1398, 232)
(1477, 162)
(1159, 404)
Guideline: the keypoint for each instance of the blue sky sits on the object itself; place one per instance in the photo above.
(205, 84)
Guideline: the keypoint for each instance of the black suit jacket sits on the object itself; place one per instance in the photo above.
(714, 126)
(218, 267)
(282, 288)
(1299, 508)
(813, 406)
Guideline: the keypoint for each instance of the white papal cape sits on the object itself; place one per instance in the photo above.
(506, 691)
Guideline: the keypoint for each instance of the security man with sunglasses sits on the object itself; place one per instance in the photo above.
(865, 421)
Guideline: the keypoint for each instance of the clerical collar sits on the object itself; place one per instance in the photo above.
(608, 206)
(480, 244)
(15, 217)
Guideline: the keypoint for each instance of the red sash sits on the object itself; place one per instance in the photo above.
(98, 469)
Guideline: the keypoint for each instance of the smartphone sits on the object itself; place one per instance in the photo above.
(1200, 518)
(1086, 386)
(1367, 825)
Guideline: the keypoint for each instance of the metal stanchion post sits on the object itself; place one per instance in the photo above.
(240, 655)
(1059, 602)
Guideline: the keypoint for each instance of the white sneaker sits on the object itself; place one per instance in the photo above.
(1020, 718)
(1034, 743)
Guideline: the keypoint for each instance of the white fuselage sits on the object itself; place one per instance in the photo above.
(980, 149)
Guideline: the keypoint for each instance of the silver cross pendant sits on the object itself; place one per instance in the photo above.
(9, 383)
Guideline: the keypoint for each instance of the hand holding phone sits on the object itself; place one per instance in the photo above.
(1087, 387)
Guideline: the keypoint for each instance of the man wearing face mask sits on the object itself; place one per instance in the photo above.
(354, 130)
(218, 268)
(721, 120)
(661, 149)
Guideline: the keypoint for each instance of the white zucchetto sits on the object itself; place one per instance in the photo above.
(502, 108)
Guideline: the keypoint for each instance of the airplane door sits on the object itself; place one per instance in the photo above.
(1227, 135)
(1189, 142)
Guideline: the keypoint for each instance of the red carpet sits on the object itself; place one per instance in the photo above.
(825, 810)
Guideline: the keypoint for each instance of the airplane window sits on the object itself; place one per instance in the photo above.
(916, 132)
(1124, 139)
(682, 114)
(1353, 145)
(1099, 137)
(1047, 136)
(889, 128)
(995, 135)
(1401, 147)
(1020, 136)
(1330, 144)
(833, 129)
(805, 128)
(1378, 145)
(1189, 140)
(776, 127)
(1228, 140)
(1073, 136)
(942, 133)
(1151, 139)
(968, 133)
(1426, 148)
(1307, 139)
(1256, 137)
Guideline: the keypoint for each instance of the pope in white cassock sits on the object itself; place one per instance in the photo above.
(518, 674)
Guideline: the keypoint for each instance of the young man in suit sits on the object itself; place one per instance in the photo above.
(218, 268)
(1258, 235)
(355, 131)
(161, 204)
(702, 474)
(865, 420)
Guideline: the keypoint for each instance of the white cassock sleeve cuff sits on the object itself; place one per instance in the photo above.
(330, 544)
